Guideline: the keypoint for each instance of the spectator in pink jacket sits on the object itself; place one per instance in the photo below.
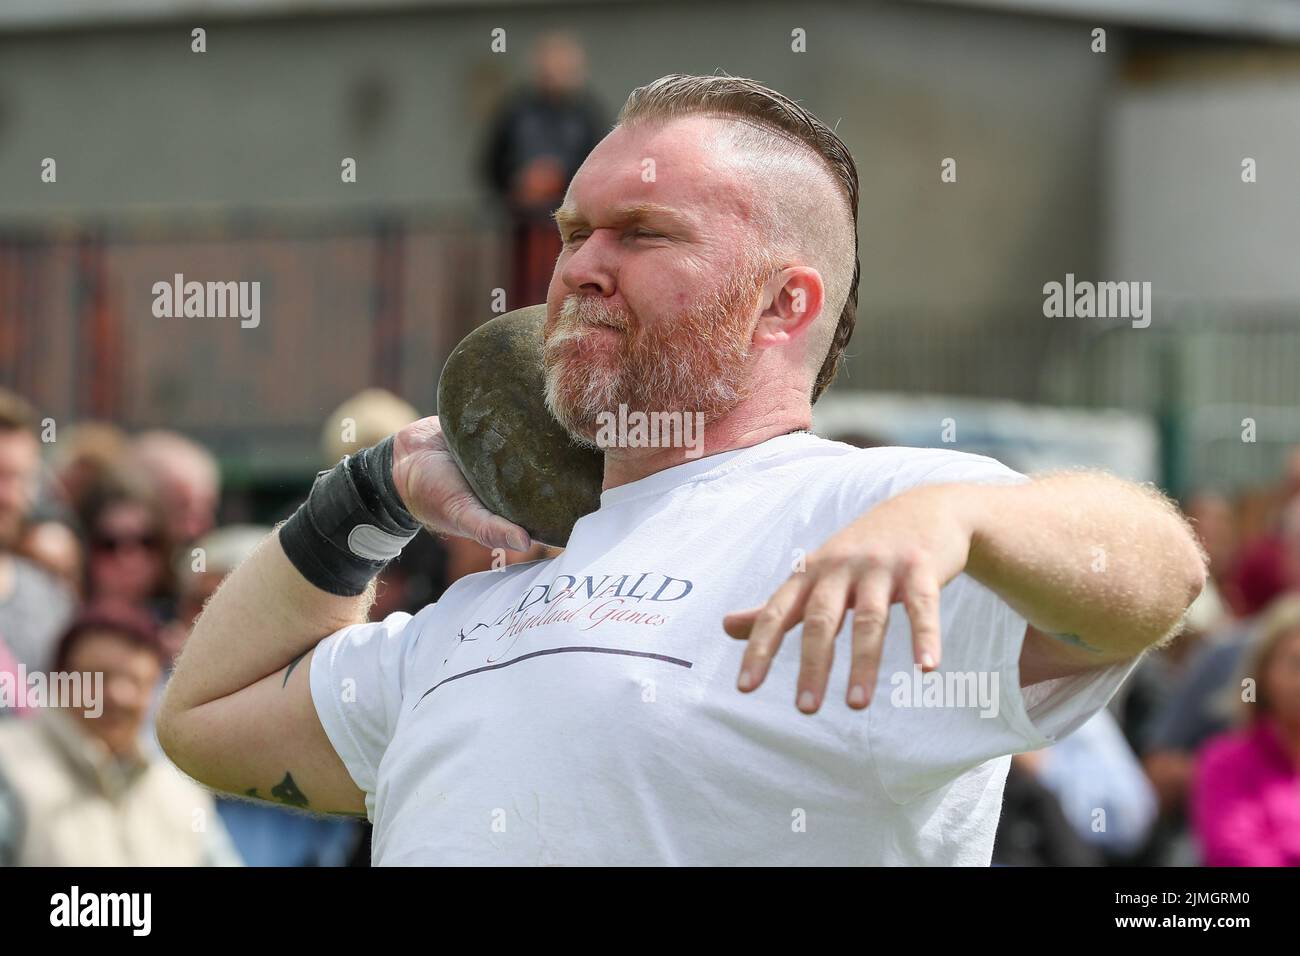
(1246, 793)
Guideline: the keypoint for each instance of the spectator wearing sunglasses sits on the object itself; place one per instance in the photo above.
(127, 549)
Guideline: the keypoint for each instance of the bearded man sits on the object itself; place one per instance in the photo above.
(633, 701)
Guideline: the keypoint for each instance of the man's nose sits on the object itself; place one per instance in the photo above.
(594, 265)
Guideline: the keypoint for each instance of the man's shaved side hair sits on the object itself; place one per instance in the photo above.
(804, 183)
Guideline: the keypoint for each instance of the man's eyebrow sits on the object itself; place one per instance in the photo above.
(566, 217)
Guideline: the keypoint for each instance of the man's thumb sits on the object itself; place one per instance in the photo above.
(496, 532)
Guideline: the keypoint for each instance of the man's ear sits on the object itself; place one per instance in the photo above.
(793, 300)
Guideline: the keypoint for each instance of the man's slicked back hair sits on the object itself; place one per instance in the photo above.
(680, 95)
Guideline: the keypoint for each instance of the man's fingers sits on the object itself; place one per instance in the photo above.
(515, 537)
(820, 602)
(921, 598)
(823, 614)
(870, 620)
(471, 519)
(493, 531)
(778, 615)
(738, 624)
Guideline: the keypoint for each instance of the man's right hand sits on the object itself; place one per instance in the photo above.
(239, 715)
(436, 493)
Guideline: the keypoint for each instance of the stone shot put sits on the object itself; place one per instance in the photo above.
(713, 671)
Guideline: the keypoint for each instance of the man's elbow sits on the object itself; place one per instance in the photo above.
(1197, 578)
(165, 729)
(178, 738)
(1195, 567)
(169, 728)
(1185, 565)
(1188, 575)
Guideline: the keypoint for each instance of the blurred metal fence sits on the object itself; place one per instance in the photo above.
(1221, 380)
(354, 301)
(346, 303)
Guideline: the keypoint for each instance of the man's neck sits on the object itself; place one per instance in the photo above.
(737, 429)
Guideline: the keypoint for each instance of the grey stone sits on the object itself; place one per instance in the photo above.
(512, 451)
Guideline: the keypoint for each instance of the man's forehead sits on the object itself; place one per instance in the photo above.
(635, 176)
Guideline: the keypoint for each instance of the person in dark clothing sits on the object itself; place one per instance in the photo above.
(538, 139)
(1033, 830)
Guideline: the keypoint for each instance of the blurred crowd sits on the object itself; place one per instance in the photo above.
(1197, 759)
(110, 544)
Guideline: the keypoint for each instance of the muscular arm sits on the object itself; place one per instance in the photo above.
(1105, 566)
(238, 714)
(1101, 568)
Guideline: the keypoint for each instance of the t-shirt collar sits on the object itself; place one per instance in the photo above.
(701, 469)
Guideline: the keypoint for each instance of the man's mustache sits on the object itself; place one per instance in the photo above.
(577, 315)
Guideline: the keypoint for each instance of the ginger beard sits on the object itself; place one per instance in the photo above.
(695, 362)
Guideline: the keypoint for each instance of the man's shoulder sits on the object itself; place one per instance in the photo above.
(903, 466)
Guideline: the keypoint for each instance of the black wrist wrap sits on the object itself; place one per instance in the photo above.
(351, 525)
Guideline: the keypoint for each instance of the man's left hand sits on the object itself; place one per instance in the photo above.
(903, 550)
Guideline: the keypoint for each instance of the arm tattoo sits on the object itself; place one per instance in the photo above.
(292, 664)
(286, 792)
(1074, 640)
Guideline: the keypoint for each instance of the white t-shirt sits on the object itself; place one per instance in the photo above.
(583, 710)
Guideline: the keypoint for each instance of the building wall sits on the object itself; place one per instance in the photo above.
(137, 121)
(150, 138)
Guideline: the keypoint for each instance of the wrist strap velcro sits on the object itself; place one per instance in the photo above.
(351, 525)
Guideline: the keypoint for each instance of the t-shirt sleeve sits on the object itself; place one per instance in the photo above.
(357, 685)
(927, 729)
